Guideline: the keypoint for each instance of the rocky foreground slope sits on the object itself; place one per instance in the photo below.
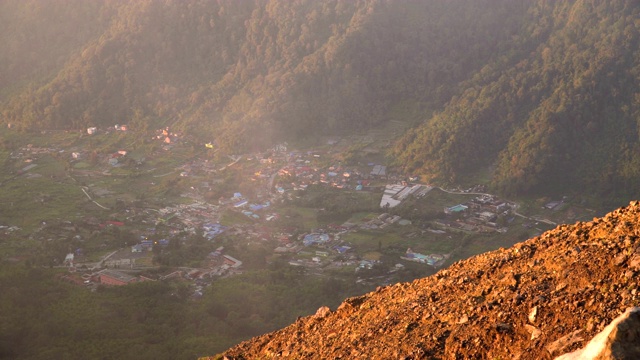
(539, 299)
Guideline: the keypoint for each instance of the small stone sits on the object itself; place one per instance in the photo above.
(410, 326)
(463, 320)
(518, 299)
(511, 281)
(533, 314)
(620, 259)
(322, 312)
(535, 332)
(565, 342)
(634, 262)
(503, 327)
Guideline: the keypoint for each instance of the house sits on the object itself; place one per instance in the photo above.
(433, 259)
(280, 147)
(487, 216)
(392, 195)
(137, 248)
(240, 203)
(231, 261)
(315, 239)
(212, 230)
(552, 205)
(115, 278)
(393, 219)
(68, 260)
(342, 249)
(455, 209)
(379, 170)
(193, 274)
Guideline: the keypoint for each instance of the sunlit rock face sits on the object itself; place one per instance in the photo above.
(540, 299)
(620, 340)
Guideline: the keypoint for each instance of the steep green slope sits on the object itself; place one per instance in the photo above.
(249, 73)
(561, 111)
(545, 94)
(38, 37)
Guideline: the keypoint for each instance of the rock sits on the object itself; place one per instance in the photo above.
(634, 262)
(511, 281)
(564, 342)
(475, 309)
(535, 332)
(561, 287)
(533, 314)
(620, 259)
(503, 327)
(322, 312)
(620, 340)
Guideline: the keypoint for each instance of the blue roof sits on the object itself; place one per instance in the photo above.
(311, 239)
(458, 208)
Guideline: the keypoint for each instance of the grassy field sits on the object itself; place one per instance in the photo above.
(298, 217)
(28, 201)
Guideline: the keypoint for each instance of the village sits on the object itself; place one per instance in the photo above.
(215, 212)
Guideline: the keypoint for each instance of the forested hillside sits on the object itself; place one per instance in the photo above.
(244, 72)
(561, 111)
(543, 94)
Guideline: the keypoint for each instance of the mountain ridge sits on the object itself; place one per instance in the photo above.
(533, 98)
(541, 298)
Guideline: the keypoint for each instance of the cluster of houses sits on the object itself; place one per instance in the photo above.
(435, 260)
(29, 155)
(199, 166)
(93, 130)
(481, 214)
(337, 176)
(166, 136)
(300, 169)
(394, 194)
(106, 277)
(189, 217)
(384, 220)
(219, 264)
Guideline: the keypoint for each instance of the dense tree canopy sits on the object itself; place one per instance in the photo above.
(251, 72)
(558, 112)
(544, 93)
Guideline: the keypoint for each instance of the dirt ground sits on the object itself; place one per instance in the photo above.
(536, 300)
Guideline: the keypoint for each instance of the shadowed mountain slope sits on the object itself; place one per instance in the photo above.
(530, 97)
